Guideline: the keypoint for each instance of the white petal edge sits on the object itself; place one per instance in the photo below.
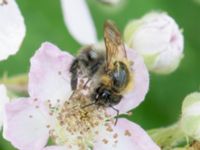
(79, 22)
(25, 125)
(3, 100)
(12, 29)
(125, 135)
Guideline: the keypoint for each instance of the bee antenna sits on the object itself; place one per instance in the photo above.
(88, 105)
(117, 111)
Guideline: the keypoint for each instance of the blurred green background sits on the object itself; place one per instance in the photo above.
(162, 105)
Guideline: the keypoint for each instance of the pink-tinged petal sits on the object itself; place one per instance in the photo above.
(140, 84)
(25, 124)
(12, 29)
(79, 21)
(55, 148)
(3, 100)
(125, 135)
(49, 77)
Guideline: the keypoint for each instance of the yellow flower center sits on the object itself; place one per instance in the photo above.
(76, 124)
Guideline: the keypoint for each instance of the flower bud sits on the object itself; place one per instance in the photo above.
(190, 119)
(157, 37)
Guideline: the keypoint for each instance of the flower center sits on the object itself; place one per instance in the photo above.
(77, 123)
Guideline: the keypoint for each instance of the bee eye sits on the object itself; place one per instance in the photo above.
(105, 94)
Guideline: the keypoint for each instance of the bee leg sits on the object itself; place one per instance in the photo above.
(117, 111)
(72, 94)
(88, 105)
(74, 81)
(74, 71)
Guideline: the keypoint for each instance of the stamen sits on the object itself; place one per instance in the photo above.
(127, 133)
(130, 113)
(115, 135)
(75, 124)
(105, 141)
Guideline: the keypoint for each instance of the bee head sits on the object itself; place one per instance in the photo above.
(106, 97)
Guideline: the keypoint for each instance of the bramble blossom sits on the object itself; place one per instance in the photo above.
(190, 122)
(52, 112)
(156, 37)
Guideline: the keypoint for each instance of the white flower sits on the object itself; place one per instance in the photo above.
(3, 100)
(49, 112)
(190, 118)
(157, 38)
(79, 21)
(12, 28)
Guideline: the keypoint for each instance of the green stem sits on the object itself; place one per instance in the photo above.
(16, 84)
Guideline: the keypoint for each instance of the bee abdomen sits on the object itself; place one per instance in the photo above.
(120, 77)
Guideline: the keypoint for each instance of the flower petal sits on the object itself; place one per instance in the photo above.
(79, 21)
(125, 135)
(49, 78)
(55, 148)
(3, 100)
(12, 29)
(141, 84)
(25, 124)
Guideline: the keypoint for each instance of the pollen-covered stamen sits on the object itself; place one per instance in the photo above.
(113, 134)
(74, 123)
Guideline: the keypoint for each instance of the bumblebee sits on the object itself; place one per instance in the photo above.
(109, 70)
(87, 64)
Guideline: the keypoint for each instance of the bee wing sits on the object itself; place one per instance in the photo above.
(115, 49)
